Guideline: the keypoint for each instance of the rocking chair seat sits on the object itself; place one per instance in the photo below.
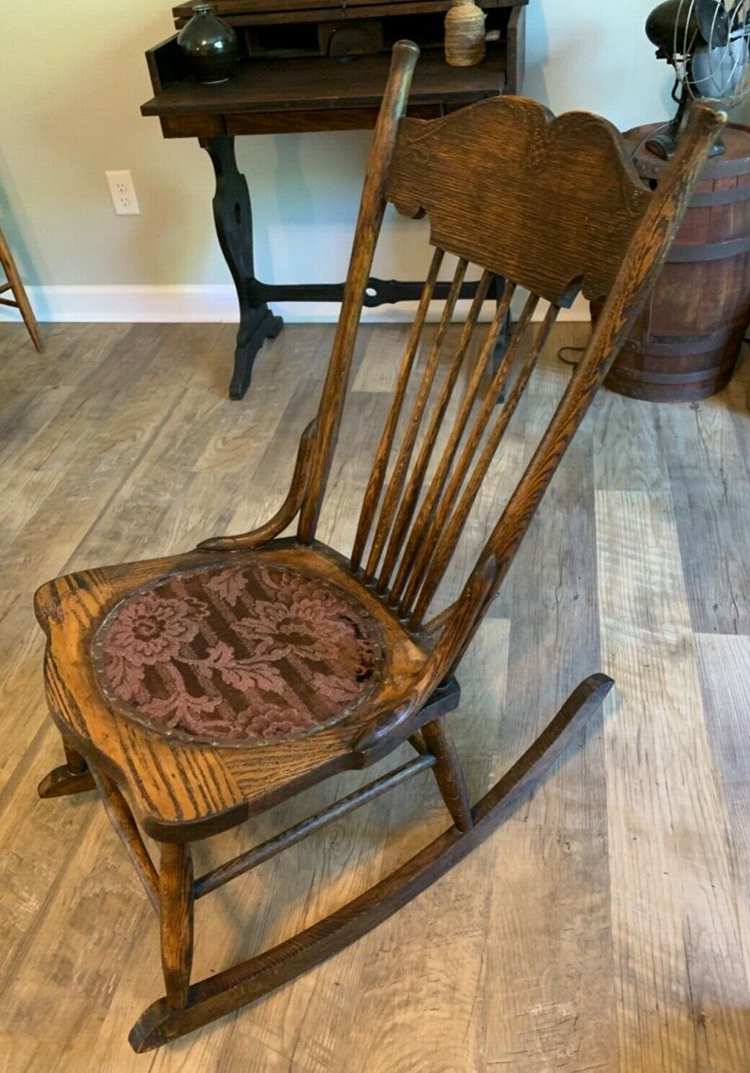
(243, 653)
(215, 685)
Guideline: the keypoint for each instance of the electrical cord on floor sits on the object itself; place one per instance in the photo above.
(579, 350)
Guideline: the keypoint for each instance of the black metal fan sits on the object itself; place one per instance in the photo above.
(706, 41)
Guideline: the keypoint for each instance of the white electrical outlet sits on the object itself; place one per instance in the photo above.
(123, 193)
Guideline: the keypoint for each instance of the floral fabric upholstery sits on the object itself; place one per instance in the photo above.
(248, 653)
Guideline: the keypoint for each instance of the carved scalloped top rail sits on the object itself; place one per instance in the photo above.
(563, 214)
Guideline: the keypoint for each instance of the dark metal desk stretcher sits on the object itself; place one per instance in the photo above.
(288, 83)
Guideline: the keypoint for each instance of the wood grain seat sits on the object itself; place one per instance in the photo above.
(88, 695)
(554, 208)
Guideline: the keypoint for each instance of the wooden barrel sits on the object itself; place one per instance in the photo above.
(687, 342)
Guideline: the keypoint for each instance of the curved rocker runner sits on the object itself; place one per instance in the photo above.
(197, 691)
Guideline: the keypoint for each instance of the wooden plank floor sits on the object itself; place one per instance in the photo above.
(606, 928)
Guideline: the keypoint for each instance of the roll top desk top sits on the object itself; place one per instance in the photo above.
(322, 65)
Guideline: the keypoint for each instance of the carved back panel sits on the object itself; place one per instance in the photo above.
(550, 203)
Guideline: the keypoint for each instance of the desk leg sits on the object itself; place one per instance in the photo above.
(234, 226)
(503, 339)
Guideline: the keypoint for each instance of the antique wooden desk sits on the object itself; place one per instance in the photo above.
(292, 79)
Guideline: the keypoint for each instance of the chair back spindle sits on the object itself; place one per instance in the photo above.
(555, 209)
(429, 519)
(414, 485)
(377, 477)
(398, 477)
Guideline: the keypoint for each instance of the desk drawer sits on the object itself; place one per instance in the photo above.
(299, 120)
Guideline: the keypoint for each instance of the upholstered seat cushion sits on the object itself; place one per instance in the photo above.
(238, 654)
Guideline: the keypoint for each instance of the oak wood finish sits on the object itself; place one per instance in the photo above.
(406, 448)
(249, 981)
(583, 202)
(62, 782)
(74, 760)
(372, 208)
(446, 528)
(449, 775)
(416, 551)
(378, 474)
(122, 821)
(408, 504)
(189, 791)
(20, 299)
(287, 512)
(182, 792)
(245, 862)
(176, 919)
(73, 777)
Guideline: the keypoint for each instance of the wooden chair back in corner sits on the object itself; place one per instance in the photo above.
(554, 207)
(20, 299)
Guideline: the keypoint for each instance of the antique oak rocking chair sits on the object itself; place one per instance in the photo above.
(199, 690)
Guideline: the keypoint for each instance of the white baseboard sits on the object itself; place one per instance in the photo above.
(199, 304)
(134, 304)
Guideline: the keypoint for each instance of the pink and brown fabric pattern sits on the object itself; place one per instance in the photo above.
(240, 654)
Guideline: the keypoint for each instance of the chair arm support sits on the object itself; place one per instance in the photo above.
(256, 538)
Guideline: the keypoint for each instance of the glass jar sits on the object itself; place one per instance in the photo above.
(210, 45)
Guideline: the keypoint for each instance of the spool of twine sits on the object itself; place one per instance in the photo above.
(464, 34)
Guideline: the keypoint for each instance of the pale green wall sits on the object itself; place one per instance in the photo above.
(73, 76)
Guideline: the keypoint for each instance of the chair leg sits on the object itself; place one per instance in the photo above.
(417, 744)
(233, 988)
(19, 293)
(73, 777)
(449, 774)
(176, 896)
(121, 818)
